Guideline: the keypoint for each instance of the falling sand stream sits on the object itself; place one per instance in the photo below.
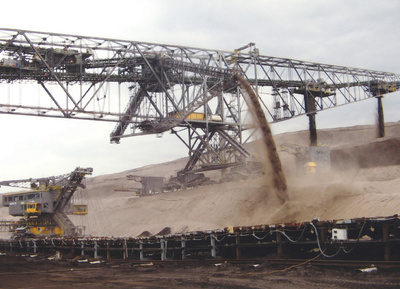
(259, 116)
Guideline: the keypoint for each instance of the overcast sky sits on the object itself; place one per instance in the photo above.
(362, 34)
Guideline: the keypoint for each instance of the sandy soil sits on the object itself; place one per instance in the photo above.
(363, 182)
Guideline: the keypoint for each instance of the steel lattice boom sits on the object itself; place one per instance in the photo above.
(148, 88)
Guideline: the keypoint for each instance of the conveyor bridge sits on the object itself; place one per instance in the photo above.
(142, 87)
(374, 239)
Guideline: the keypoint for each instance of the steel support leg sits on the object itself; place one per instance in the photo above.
(386, 245)
(95, 250)
(163, 250)
(141, 255)
(279, 242)
(72, 249)
(237, 246)
(125, 250)
(381, 120)
(313, 129)
(183, 245)
(82, 248)
(213, 248)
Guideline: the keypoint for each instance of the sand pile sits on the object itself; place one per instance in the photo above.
(363, 182)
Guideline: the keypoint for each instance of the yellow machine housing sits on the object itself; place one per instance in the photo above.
(310, 168)
(191, 116)
(34, 208)
(80, 210)
(46, 231)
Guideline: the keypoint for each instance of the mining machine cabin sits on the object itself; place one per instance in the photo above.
(42, 206)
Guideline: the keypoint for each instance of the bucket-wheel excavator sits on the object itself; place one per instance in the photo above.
(43, 204)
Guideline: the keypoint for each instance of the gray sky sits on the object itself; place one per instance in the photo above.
(354, 33)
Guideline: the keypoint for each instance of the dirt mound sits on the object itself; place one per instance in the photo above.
(363, 182)
(381, 152)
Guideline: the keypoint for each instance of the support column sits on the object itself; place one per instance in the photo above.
(82, 248)
(386, 243)
(183, 245)
(279, 242)
(213, 248)
(310, 111)
(322, 235)
(141, 257)
(125, 248)
(312, 128)
(381, 120)
(163, 250)
(72, 249)
(95, 255)
(237, 246)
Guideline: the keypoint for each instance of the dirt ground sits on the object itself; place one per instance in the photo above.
(39, 272)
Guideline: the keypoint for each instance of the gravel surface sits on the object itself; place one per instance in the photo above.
(39, 272)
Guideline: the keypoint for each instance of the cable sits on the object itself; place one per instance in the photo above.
(288, 268)
(341, 247)
(216, 239)
(319, 244)
(293, 241)
(358, 239)
(318, 241)
(261, 238)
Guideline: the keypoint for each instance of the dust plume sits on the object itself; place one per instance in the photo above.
(259, 116)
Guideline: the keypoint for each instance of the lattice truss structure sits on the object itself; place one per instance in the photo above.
(148, 88)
